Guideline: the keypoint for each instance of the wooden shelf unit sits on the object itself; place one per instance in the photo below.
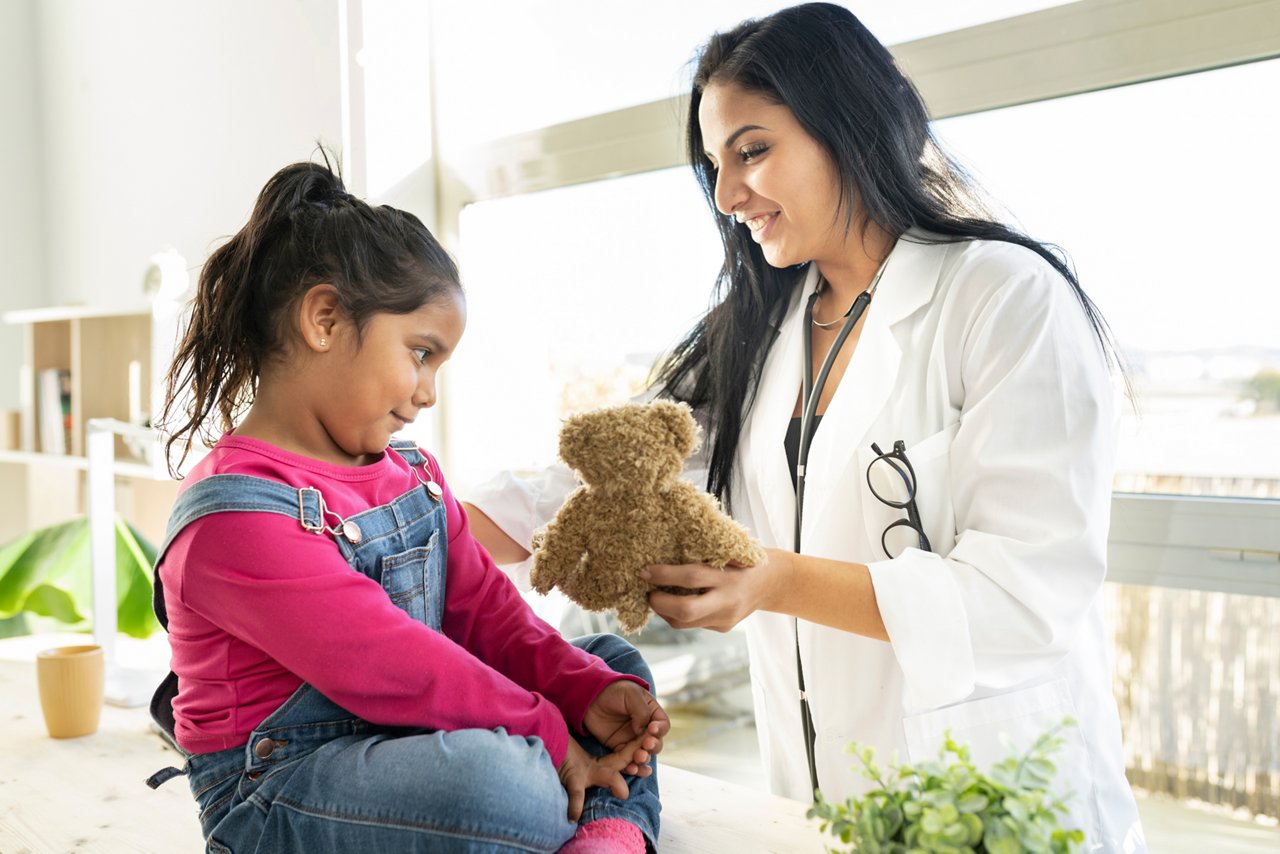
(108, 355)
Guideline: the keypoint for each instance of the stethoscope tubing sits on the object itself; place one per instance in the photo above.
(812, 390)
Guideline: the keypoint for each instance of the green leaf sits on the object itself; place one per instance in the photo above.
(47, 600)
(32, 559)
(1039, 771)
(47, 572)
(15, 626)
(998, 839)
(1016, 808)
(134, 560)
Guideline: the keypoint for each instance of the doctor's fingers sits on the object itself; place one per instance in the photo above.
(715, 609)
(693, 576)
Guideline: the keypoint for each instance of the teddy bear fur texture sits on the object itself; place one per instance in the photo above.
(631, 511)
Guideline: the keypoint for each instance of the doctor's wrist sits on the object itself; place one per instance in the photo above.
(777, 569)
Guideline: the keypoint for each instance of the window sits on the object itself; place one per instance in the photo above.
(572, 295)
(542, 62)
(1162, 195)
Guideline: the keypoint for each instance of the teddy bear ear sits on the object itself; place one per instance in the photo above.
(678, 418)
(573, 436)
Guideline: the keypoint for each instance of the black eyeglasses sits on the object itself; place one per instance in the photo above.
(893, 481)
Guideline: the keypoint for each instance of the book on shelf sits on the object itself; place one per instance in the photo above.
(54, 400)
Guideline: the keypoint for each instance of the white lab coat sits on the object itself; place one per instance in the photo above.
(978, 356)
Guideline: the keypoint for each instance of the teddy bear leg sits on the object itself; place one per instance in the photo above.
(633, 615)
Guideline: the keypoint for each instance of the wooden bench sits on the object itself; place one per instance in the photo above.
(87, 793)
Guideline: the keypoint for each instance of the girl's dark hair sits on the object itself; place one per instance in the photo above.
(305, 229)
(847, 92)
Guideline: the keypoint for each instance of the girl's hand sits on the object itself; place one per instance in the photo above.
(580, 770)
(729, 595)
(624, 712)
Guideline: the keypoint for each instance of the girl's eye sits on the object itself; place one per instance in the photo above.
(751, 152)
(421, 353)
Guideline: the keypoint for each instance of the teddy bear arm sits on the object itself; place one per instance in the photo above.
(710, 532)
(559, 550)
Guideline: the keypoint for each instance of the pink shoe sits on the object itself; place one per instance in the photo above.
(606, 836)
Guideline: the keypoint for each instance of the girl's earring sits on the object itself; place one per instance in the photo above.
(324, 342)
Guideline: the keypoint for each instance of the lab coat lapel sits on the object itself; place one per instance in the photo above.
(908, 283)
(773, 499)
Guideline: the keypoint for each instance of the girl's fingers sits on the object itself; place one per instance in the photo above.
(618, 786)
(577, 798)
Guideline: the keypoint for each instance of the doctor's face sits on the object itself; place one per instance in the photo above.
(771, 176)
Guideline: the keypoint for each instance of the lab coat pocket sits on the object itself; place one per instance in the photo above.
(995, 728)
(930, 460)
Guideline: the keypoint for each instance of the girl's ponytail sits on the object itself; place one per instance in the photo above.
(305, 229)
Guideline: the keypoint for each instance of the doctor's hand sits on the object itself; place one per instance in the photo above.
(727, 597)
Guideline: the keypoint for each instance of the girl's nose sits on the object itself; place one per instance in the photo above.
(425, 395)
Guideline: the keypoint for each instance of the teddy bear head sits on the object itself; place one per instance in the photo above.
(630, 445)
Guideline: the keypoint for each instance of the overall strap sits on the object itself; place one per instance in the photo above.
(220, 493)
(234, 493)
(408, 449)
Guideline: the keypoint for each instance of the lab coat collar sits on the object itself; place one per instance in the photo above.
(910, 277)
(909, 281)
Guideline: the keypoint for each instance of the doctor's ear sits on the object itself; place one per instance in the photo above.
(319, 313)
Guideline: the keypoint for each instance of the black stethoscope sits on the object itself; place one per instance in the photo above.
(811, 391)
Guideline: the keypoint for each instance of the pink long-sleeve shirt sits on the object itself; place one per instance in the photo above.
(257, 606)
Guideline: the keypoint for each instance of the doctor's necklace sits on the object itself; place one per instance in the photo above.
(869, 292)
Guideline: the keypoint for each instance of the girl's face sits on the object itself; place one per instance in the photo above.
(772, 176)
(381, 382)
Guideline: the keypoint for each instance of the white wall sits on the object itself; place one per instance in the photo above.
(163, 120)
(22, 283)
(134, 125)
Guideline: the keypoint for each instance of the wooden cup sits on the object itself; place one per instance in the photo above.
(70, 680)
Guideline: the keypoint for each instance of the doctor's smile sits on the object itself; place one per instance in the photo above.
(755, 222)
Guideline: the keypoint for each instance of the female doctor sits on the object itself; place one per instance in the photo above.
(910, 403)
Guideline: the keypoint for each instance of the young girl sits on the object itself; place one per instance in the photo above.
(352, 671)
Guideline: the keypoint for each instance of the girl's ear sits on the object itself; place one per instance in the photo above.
(318, 313)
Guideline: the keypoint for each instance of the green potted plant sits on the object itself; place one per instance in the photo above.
(46, 574)
(950, 807)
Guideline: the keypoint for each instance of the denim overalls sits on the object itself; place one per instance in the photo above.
(314, 777)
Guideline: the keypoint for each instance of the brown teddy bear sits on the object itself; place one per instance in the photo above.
(632, 511)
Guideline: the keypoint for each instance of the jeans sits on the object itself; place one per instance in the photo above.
(315, 781)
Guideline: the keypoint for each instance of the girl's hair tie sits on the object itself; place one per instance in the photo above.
(331, 200)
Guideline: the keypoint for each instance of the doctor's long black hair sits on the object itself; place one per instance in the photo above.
(845, 89)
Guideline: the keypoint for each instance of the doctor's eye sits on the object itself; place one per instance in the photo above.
(753, 151)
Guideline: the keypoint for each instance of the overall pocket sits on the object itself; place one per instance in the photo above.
(407, 578)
